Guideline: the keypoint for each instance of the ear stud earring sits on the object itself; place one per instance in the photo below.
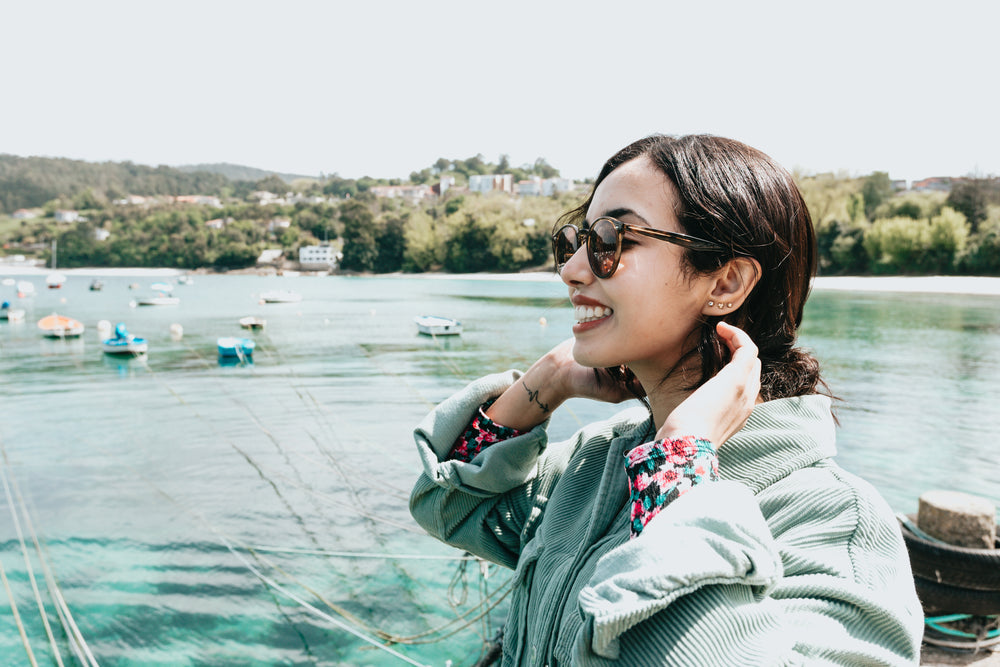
(711, 303)
(720, 305)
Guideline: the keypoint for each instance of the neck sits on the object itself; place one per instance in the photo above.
(664, 395)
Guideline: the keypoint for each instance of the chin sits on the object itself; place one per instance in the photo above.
(586, 355)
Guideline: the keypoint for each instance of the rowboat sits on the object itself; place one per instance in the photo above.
(433, 325)
(280, 296)
(124, 343)
(60, 326)
(55, 280)
(231, 347)
(252, 322)
(11, 314)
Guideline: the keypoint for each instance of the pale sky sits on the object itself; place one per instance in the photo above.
(384, 88)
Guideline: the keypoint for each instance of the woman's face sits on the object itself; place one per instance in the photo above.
(644, 314)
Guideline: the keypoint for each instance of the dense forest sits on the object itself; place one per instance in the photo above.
(863, 224)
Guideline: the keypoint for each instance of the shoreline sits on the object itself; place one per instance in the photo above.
(974, 285)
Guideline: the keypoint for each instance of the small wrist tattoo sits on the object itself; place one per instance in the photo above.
(533, 398)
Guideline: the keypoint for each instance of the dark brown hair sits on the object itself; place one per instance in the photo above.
(740, 198)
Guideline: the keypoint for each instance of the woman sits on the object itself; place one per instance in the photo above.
(711, 527)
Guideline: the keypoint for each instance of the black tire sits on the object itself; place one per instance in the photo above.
(961, 567)
(937, 599)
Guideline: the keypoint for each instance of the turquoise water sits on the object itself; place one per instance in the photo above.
(190, 511)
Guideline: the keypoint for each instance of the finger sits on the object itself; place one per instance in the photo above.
(735, 337)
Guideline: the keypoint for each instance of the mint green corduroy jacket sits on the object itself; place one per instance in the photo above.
(787, 560)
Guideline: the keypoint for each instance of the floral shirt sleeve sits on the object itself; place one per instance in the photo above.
(660, 471)
(479, 434)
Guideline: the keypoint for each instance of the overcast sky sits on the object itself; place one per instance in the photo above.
(385, 88)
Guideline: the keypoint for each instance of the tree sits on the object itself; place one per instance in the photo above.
(876, 188)
(272, 183)
(360, 248)
(391, 244)
(971, 198)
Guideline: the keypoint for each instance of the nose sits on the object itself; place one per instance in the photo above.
(577, 271)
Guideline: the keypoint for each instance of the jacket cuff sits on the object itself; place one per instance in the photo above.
(500, 467)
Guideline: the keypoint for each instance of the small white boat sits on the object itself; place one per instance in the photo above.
(280, 296)
(185, 280)
(96, 285)
(231, 347)
(165, 288)
(252, 322)
(433, 325)
(25, 288)
(11, 314)
(162, 300)
(124, 343)
(60, 326)
(55, 280)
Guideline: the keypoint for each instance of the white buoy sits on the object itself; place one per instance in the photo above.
(542, 321)
(176, 331)
(104, 329)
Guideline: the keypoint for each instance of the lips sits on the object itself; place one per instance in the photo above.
(585, 314)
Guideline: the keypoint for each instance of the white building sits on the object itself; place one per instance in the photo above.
(317, 257)
(490, 182)
(66, 216)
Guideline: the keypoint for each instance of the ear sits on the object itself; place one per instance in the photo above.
(731, 286)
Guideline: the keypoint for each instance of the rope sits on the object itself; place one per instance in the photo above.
(17, 617)
(77, 642)
(343, 626)
(27, 564)
(357, 554)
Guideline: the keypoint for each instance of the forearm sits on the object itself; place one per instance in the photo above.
(532, 398)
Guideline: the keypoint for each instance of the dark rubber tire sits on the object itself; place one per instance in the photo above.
(939, 599)
(961, 567)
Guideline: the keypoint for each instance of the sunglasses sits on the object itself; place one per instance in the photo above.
(604, 243)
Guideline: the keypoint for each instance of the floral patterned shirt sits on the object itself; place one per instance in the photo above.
(658, 471)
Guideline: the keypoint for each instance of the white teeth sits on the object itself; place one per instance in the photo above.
(590, 313)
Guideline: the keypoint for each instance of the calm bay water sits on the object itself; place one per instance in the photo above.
(190, 511)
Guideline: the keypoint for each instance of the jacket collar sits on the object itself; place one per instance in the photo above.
(780, 437)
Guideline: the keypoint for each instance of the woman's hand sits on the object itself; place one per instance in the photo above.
(549, 382)
(720, 407)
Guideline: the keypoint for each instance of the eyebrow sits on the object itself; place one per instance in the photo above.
(621, 212)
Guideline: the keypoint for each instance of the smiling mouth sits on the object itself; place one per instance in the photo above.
(591, 313)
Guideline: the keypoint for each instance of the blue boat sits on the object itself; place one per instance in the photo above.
(231, 347)
(124, 343)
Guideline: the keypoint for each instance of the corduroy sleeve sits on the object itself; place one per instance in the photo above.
(707, 583)
(482, 505)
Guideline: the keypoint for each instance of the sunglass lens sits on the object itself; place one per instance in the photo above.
(564, 244)
(603, 248)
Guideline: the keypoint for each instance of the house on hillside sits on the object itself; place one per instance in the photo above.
(484, 183)
(936, 184)
(410, 193)
(201, 200)
(24, 214)
(318, 257)
(64, 215)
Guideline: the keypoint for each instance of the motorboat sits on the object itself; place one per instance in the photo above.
(165, 288)
(185, 280)
(434, 325)
(252, 322)
(96, 285)
(161, 300)
(60, 326)
(25, 289)
(280, 296)
(231, 347)
(124, 343)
